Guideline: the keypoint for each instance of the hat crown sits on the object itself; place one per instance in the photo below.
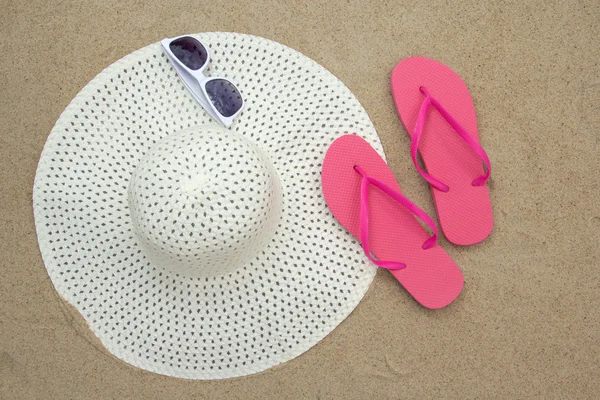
(204, 201)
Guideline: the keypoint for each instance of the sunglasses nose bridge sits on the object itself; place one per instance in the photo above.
(200, 75)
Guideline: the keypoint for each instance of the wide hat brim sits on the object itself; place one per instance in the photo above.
(282, 302)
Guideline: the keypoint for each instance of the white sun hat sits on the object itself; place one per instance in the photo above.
(193, 250)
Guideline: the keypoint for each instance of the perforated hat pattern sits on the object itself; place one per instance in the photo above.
(134, 155)
(203, 201)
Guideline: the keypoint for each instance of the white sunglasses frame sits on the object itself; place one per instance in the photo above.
(196, 78)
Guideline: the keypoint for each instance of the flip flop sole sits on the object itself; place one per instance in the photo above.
(465, 211)
(430, 276)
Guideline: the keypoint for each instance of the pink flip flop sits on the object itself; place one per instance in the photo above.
(364, 197)
(437, 111)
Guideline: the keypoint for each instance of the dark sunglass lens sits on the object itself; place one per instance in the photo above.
(225, 97)
(189, 51)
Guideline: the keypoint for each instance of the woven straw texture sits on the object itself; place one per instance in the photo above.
(256, 302)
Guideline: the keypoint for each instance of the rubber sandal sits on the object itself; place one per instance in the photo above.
(365, 198)
(437, 111)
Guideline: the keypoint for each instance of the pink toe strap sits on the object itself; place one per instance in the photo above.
(462, 132)
(364, 218)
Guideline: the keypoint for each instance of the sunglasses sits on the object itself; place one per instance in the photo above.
(219, 96)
